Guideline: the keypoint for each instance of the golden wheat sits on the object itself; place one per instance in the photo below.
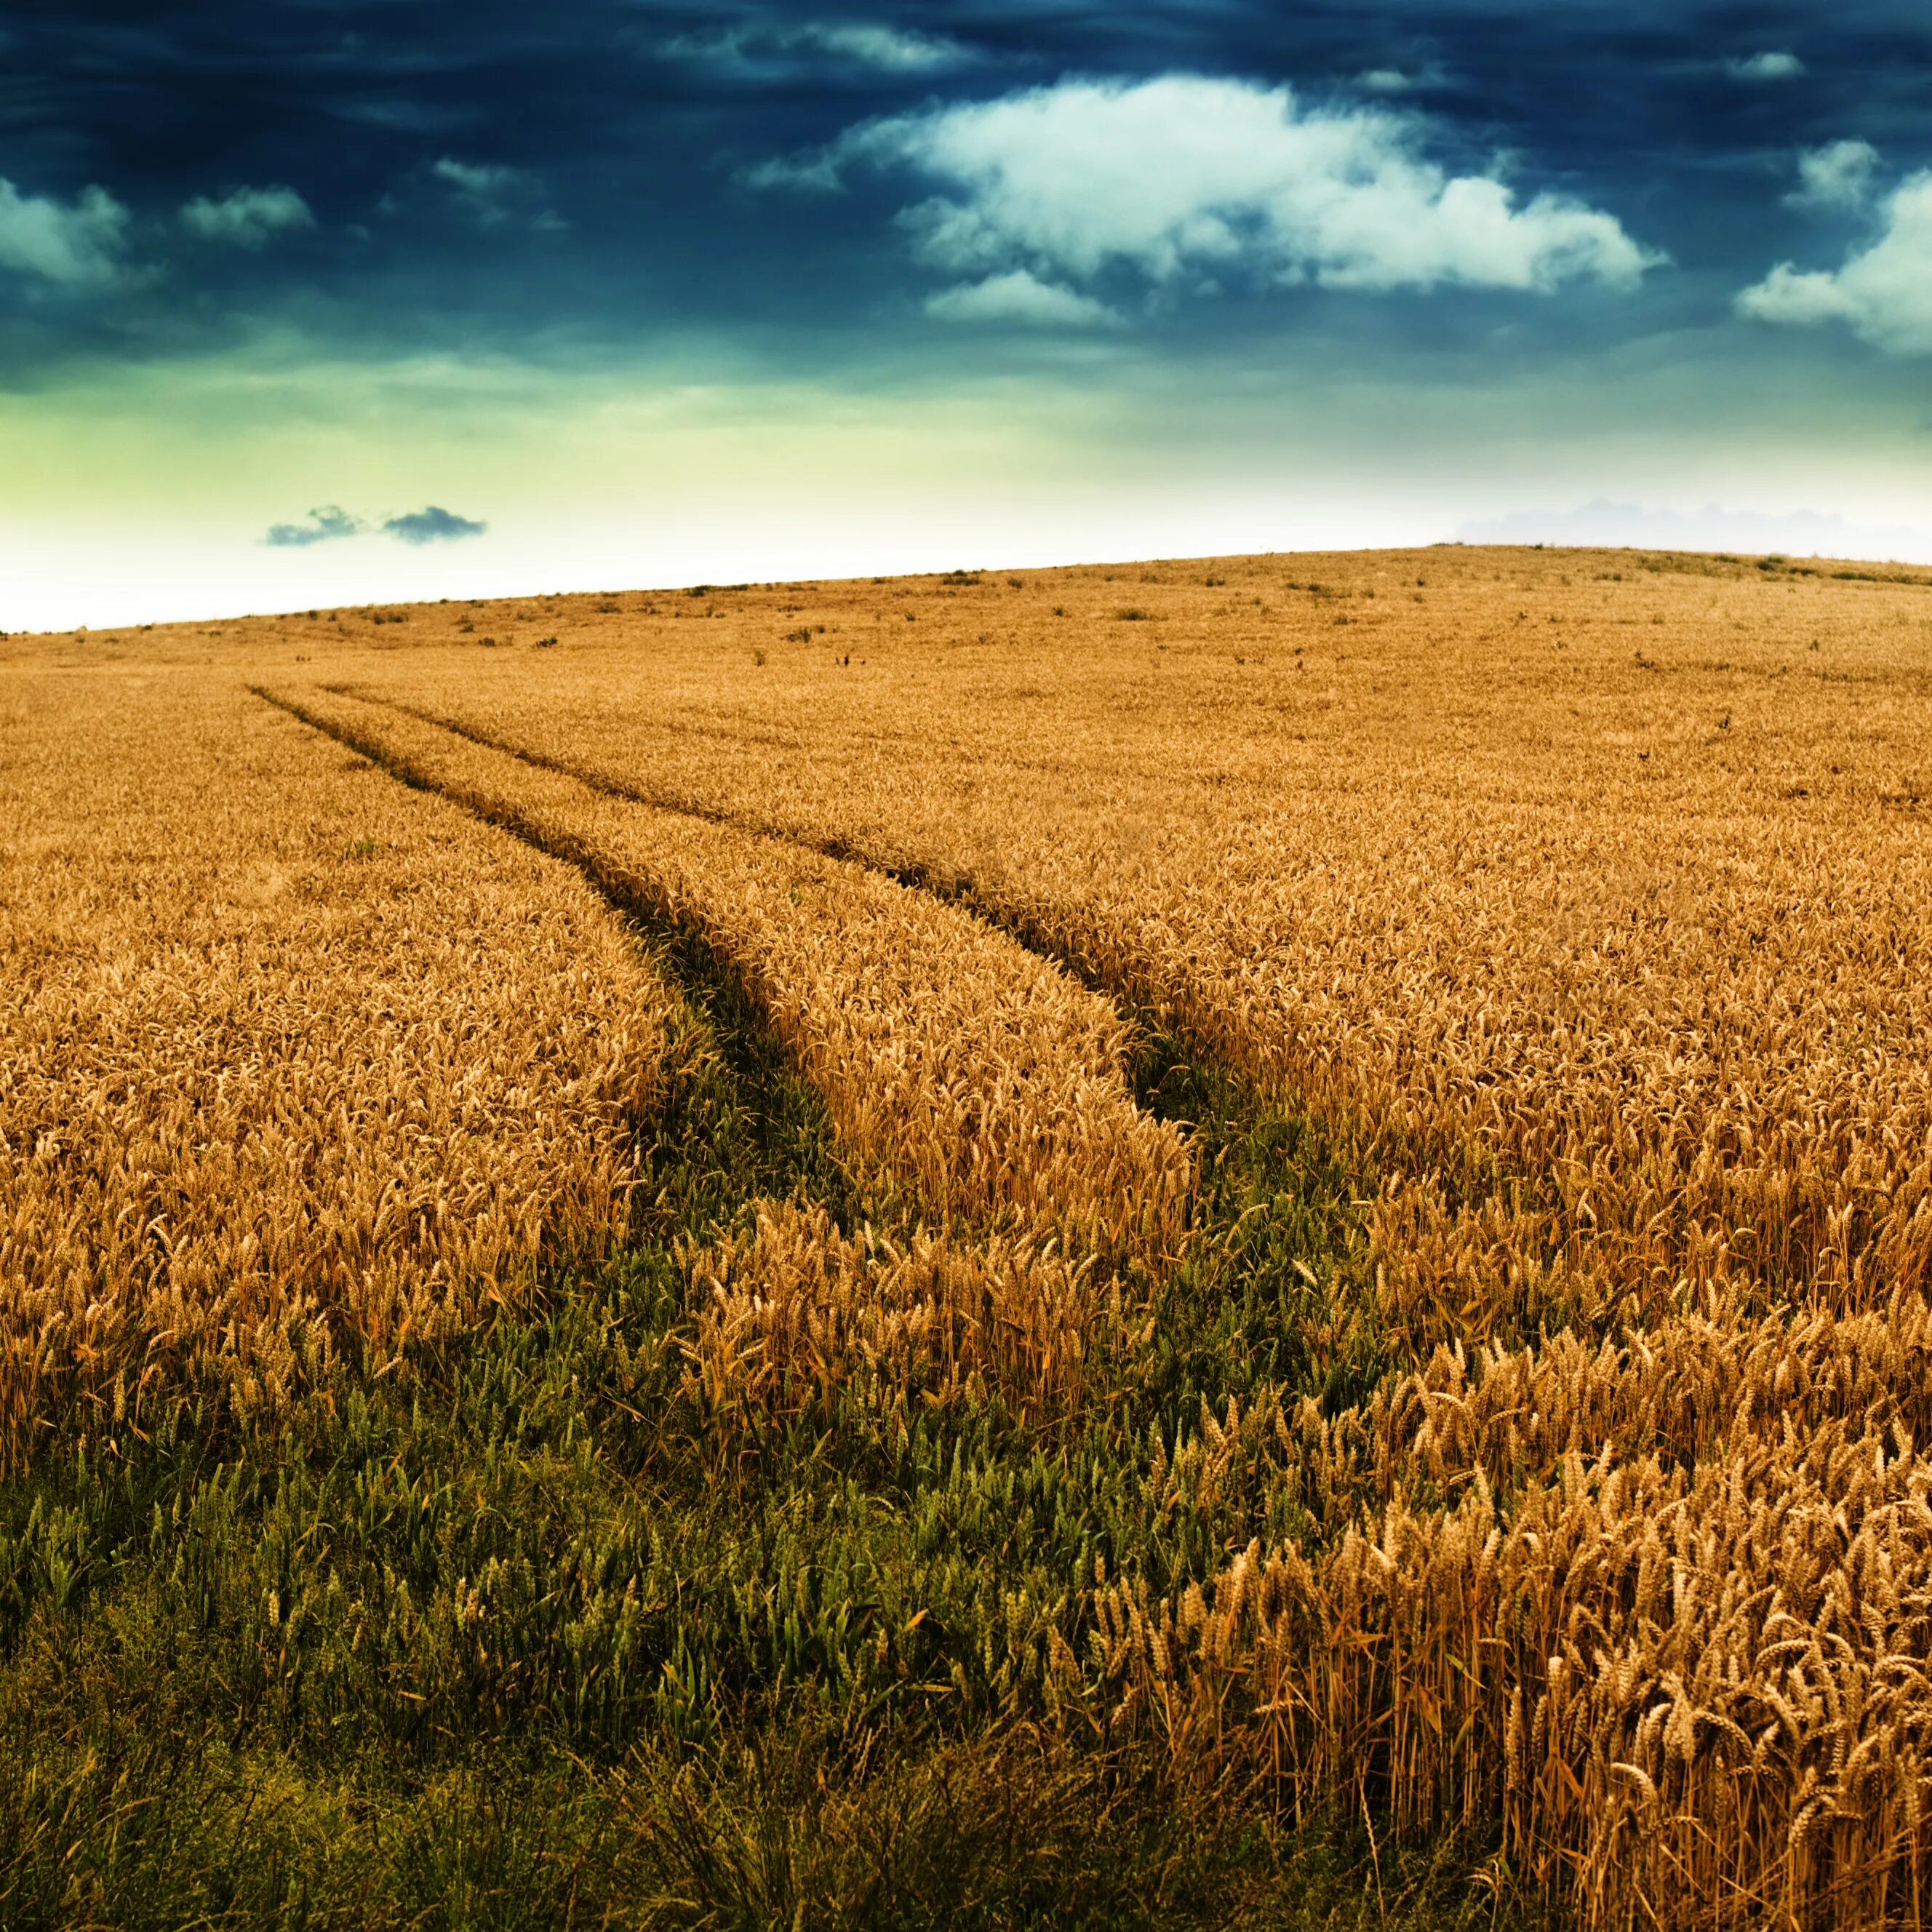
(1693, 1700)
(1610, 900)
(1590, 893)
(289, 1057)
(980, 1075)
(795, 1307)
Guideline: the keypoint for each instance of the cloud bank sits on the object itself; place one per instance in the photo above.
(1046, 197)
(1749, 532)
(1883, 292)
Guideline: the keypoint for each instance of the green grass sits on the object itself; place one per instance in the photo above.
(526, 1636)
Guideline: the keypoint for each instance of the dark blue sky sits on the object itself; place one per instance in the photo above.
(1169, 254)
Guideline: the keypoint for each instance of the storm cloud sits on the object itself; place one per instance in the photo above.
(521, 180)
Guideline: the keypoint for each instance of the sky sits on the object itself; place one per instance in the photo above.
(307, 302)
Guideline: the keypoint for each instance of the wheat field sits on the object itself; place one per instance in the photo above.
(1368, 1245)
(293, 1060)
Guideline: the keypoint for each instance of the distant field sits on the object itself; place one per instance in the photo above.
(1238, 1242)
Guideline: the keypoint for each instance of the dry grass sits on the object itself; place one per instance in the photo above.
(291, 1060)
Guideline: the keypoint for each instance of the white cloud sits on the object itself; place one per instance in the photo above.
(75, 246)
(1775, 65)
(1883, 293)
(1838, 175)
(1018, 296)
(1385, 80)
(491, 193)
(752, 48)
(248, 217)
(1183, 181)
(1789, 294)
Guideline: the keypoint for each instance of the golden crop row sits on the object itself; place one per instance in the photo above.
(795, 1308)
(977, 1075)
(291, 1060)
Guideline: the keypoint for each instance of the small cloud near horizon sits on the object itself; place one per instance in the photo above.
(433, 524)
(1602, 524)
(331, 522)
(324, 526)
